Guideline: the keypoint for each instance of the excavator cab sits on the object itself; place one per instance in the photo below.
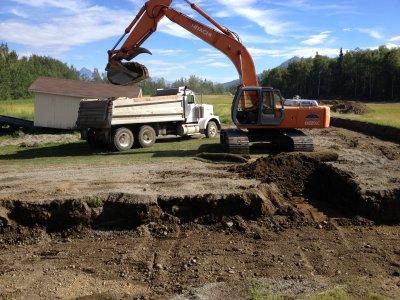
(254, 106)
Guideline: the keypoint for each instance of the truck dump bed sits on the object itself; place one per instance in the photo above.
(95, 113)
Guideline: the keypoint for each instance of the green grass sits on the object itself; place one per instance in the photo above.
(387, 114)
(222, 106)
(262, 292)
(21, 108)
(338, 293)
(79, 153)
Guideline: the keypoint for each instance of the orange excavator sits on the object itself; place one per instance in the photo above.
(258, 112)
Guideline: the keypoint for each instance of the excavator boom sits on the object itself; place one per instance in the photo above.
(145, 24)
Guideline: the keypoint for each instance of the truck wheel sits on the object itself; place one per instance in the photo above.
(122, 139)
(211, 130)
(146, 136)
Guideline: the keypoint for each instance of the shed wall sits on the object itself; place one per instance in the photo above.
(56, 111)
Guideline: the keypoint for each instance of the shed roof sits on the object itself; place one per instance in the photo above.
(83, 89)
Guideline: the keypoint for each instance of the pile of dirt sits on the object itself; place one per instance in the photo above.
(349, 107)
(334, 192)
(289, 172)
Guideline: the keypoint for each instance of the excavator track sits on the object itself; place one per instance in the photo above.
(235, 141)
(299, 141)
(239, 141)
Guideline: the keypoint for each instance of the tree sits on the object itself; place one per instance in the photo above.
(18, 73)
(393, 62)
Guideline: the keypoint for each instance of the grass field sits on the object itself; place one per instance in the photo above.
(222, 106)
(387, 114)
(21, 108)
(79, 153)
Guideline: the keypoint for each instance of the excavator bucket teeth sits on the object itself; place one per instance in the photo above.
(126, 73)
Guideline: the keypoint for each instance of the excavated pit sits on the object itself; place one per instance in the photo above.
(293, 186)
(333, 192)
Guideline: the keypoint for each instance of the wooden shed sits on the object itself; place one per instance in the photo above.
(57, 100)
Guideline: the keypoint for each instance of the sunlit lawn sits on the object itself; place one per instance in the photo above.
(387, 114)
(20, 108)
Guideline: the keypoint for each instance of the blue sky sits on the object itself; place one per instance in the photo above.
(79, 32)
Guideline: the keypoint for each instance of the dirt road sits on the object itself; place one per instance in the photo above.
(286, 224)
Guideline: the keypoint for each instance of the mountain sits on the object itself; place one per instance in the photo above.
(230, 83)
(286, 63)
(282, 65)
(85, 74)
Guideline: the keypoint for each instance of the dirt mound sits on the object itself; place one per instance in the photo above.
(333, 192)
(288, 172)
(349, 107)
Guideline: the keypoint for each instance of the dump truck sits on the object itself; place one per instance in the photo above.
(122, 123)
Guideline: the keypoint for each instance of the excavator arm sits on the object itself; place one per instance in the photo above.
(145, 24)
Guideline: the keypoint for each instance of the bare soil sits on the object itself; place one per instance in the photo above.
(193, 230)
(348, 107)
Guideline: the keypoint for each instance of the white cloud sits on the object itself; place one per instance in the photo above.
(167, 52)
(289, 52)
(162, 68)
(392, 45)
(317, 39)
(220, 65)
(306, 5)
(166, 26)
(57, 34)
(19, 13)
(211, 53)
(267, 19)
(73, 5)
(395, 39)
(371, 32)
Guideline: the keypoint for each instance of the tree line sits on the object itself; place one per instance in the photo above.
(17, 74)
(356, 74)
(195, 83)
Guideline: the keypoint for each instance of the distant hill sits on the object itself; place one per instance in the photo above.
(230, 83)
(282, 65)
(286, 63)
(85, 74)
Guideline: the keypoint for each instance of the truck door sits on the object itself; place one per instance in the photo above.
(190, 109)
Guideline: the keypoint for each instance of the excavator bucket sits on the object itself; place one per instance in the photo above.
(129, 72)
(126, 73)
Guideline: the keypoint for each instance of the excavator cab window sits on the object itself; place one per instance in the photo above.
(247, 107)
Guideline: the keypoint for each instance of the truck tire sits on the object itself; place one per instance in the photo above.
(211, 130)
(146, 136)
(122, 139)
